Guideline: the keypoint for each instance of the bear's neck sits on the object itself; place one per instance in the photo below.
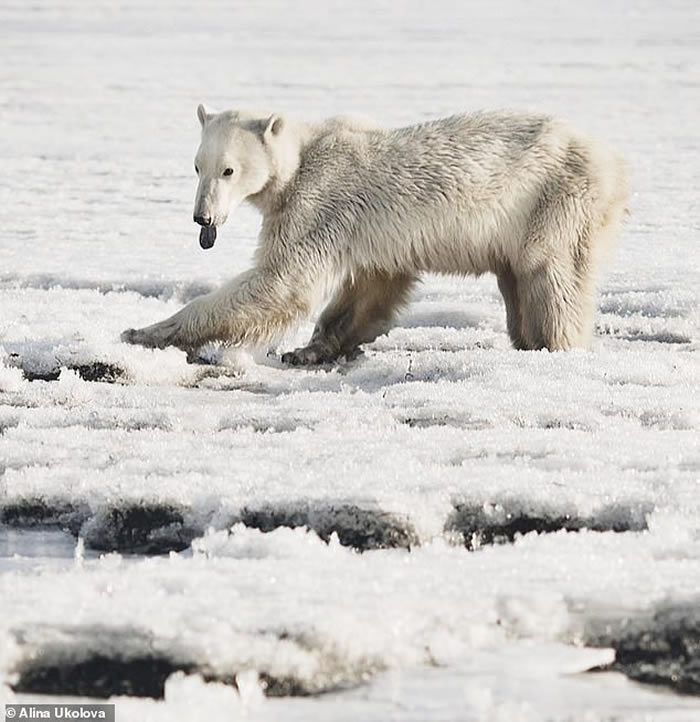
(272, 198)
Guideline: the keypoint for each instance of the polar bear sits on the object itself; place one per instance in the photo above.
(366, 211)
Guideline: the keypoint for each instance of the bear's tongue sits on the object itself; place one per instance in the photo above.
(207, 236)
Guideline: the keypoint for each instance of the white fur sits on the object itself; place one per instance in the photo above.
(520, 195)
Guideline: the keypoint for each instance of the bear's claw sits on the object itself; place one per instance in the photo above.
(146, 337)
(316, 354)
(129, 336)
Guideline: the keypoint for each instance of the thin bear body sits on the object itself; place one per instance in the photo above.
(368, 210)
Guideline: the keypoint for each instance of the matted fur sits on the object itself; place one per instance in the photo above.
(521, 195)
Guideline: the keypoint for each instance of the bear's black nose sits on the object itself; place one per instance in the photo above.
(203, 220)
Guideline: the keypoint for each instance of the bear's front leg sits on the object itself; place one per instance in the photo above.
(253, 308)
(184, 329)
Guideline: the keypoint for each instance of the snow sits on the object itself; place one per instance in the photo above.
(397, 470)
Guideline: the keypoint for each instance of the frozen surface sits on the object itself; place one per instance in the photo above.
(435, 443)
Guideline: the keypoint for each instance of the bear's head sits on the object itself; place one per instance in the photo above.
(239, 155)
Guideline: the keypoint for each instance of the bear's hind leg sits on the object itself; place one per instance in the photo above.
(361, 310)
(557, 309)
(575, 222)
(556, 268)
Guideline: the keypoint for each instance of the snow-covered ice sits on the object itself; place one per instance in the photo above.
(360, 530)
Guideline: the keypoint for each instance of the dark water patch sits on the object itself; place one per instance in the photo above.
(139, 529)
(97, 371)
(130, 528)
(661, 649)
(361, 528)
(286, 687)
(33, 512)
(665, 337)
(100, 371)
(466, 422)
(42, 375)
(100, 662)
(485, 524)
(99, 677)
(102, 677)
(159, 528)
(661, 337)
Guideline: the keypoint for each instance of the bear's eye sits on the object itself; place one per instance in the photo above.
(228, 171)
(196, 169)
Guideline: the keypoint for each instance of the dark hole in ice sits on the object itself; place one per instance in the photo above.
(100, 371)
(662, 650)
(139, 529)
(361, 529)
(95, 371)
(465, 421)
(34, 511)
(152, 528)
(100, 676)
(76, 666)
(667, 337)
(484, 524)
(134, 528)
(51, 375)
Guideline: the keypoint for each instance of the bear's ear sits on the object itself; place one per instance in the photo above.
(203, 114)
(273, 127)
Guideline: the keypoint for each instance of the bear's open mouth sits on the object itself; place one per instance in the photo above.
(207, 236)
